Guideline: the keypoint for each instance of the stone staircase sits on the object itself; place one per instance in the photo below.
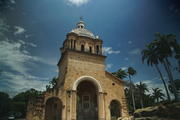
(124, 106)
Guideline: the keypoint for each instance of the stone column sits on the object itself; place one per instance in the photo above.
(43, 112)
(101, 109)
(105, 106)
(68, 104)
(73, 105)
(63, 112)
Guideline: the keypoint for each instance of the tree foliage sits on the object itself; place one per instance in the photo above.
(18, 104)
(158, 94)
(4, 103)
(120, 74)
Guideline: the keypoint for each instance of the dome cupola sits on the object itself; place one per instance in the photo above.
(82, 40)
(81, 31)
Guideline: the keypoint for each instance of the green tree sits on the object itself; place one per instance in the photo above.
(24, 96)
(164, 46)
(20, 101)
(177, 84)
(142, 88)
(131, 72)
(4, 104)
(52, 84)
(151, 58)
(157, 94)
(120, 74)
(177, 56)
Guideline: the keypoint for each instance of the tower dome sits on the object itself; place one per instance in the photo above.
(81, 31)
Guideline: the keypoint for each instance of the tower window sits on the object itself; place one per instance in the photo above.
(97, 49)
(82, 47)
(90, 49)
(71, 44)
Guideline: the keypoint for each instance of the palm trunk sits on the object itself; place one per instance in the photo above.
(142, 106)
(157, 100)
(168, 96)
(168, 70)
(132, 94)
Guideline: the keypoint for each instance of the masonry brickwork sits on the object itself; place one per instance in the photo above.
(81, 60)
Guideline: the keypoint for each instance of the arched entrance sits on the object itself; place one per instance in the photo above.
(53, 109)
(87, 101)
(115, 109)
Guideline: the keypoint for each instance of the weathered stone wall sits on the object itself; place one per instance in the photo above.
(74, 42)
(83, 64)
(73, 65)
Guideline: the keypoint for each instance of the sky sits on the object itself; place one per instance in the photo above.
(32, 31)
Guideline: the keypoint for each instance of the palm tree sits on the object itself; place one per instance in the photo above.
(142, 87)
(177, 56)
(164, 46)
(120, 74)
(150, 56)
(53, 82)
(157, 94)
(131, 72)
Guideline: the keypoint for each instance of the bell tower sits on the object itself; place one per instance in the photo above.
(84, 90)
(81, 39)
(80, 42)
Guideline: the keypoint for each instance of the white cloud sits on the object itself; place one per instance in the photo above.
(124, 68)
(27, 36)
(136, 51)
(32, 45)
(14, 55)
(109, 66)
(126, 59)
(22, 42)
(156, 82)
(12, 1)
(109, 50)
(129, 42)
(77, 2)
(17, 77)
(19, 30)
(3, 26)
(152, 84)
(15, 83)
(14, 58)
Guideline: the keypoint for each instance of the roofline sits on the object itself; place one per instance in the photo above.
(87, 53)
(120, 80)
(72, 33)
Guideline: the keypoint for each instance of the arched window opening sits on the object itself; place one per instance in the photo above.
(97, 49)
(53, 109)
(115, 109)
(71, 44)
(90, 49)
(82, 48)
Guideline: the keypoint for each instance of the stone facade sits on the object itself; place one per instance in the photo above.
(81, 67)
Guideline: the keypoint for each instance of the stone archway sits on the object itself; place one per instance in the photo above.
(91, 98)
(87, 78)
(115, 109)
(87, 103)
(53, 109)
